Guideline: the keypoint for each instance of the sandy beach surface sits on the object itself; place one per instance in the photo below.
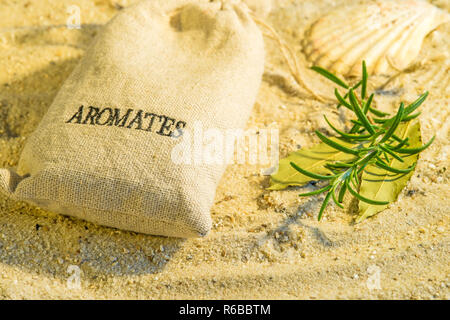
(264, 244)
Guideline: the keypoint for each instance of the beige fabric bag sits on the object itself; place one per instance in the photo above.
(103, 150)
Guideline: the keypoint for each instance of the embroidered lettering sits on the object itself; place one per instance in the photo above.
(129, 119)
(92, 114)
(117, 121)
(77, 116)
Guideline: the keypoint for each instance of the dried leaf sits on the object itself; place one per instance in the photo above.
(379, 184)
(312, 159)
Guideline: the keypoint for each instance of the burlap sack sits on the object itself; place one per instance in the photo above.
(103, 151)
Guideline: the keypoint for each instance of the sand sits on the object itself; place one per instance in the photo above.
(264, 244)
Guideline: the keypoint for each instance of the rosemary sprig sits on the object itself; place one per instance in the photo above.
(372, 141)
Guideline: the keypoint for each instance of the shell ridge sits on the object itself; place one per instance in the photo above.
(388, 34)
(341, 49)
(359, 51)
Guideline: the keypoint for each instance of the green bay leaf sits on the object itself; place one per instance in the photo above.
(382, 185)
(312, 159)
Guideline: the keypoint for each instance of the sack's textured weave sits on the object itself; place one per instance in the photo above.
(103, 150)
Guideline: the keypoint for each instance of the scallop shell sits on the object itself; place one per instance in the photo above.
(387, 34)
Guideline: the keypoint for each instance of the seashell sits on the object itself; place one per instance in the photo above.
(387, 34)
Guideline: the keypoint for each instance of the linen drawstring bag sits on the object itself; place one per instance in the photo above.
(104, 150)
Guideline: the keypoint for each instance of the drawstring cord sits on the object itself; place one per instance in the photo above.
(288, 56)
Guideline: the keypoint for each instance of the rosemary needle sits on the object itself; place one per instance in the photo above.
(372, 141)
